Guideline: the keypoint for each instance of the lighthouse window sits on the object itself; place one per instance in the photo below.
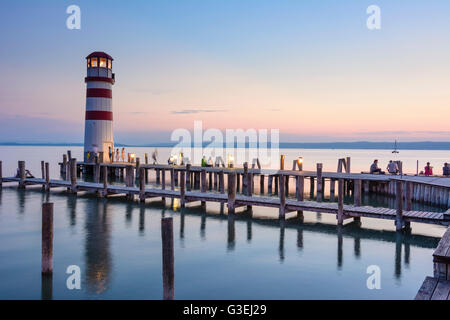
(88, 63)
(102, 62)
(109, 64)
(94, 62)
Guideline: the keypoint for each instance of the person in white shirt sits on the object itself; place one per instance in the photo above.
(392, 167)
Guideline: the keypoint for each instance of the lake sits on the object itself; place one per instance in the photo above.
(117, 243)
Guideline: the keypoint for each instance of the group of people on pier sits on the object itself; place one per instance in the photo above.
(392, 168)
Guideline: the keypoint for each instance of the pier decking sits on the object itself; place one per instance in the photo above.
(438, 286)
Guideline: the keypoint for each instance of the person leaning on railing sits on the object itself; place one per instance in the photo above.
(446, 170)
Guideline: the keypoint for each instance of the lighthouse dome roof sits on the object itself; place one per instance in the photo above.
(99, 54)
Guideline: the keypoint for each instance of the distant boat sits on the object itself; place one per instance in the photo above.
(395, 148)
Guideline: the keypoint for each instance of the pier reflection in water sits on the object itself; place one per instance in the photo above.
(121, 256)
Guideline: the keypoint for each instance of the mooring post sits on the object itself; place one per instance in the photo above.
(188, 177)
(163, 182)
(203, 184)
(21, 165)
(299, 193)
(245, 179)
(319, 181)
(261, 183)
(282, 210)
(146, 158)
(69, 155)
(138, 165)
(47, 176)
(282, 157)
(43, 169)
(141, 184)
(347, 165)
(168, 258)
(340, 215)
(64, 166)
(399, 203)
(221, 182)
(172, 179)
(231, 192)
(73, 175)
(47, 238)
(182, 188)
(105, 181)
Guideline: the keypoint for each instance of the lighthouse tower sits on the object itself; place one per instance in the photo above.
(98, 131)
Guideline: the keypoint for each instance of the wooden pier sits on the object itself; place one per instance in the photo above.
(190, 184)
(438, 286)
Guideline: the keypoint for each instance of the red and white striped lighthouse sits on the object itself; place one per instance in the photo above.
(98, 131)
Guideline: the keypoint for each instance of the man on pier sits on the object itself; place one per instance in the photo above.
(374, 168)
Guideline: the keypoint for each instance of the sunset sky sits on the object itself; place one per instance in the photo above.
(309, 68)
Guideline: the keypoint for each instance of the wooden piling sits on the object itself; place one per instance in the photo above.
(299, 192)
(21, 165)
(138, 165)
(172, 179)
(64, 167)
(168, 258)
(163, 182)
(146, 158)
(269, 184)
(47, 238)
(182, 188)
(332, 188)
(347, 165)
(73, 175)
(282, 157)
(357, 192)
(231, 192)
(319, 181)
(188, 177)
(245, 179)
(141, 185)
(282, 210)
(43, 169)
(261, 183)
(105, 181)
(399, 204)
(47, 176)
(409, 194)
(340, 215)
(221, 182)
(203, 184)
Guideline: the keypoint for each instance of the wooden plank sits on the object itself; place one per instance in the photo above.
(442, 290)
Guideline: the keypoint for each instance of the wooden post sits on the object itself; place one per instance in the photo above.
(47, 176)
(357, 192)
(69, 155)
(249, 184)
(332, 188)
(163, 182)
(97, 171)
(311, 188)
(168, 258)
(203, 184)
(141, 185)
(231, 192)
(238, 181)
(221, 182)
(146, 158)
(299, 192)
(347, 165)
(245, 179)
(319, 181)
(64, 166)
(409, 192)
(47, 238)
(399, 202)
(282, 157)
(73, 175)
(269, 183)
(21, 165)
(188, 177)
(282, 197)
(43, 169)
(340, 215)
(105, 181)
(182, 188)
(138, 165)
(261, 184)
(172, 179)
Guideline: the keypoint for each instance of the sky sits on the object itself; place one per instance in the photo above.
(311, 69)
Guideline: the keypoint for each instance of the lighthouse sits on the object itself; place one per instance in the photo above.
(98, 130)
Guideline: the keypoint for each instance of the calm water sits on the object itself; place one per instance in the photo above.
(117, 244)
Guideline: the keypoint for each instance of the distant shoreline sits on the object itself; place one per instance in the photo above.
(361, 145)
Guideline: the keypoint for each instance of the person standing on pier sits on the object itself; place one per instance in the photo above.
(428, 170)
(110, 151)
(117, 155)
(446, 170)
(123, 154)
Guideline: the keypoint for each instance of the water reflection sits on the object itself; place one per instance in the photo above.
(281, 242)
(46, 286)
(142, 219)
(231, 232)
(72, 205)
(97, 245)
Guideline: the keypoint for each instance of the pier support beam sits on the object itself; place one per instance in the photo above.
(47, 176)
(340, 215)
(182, 188)
(73, 175)
(319, 182)
(141, 185)
(21, 165)
(47, 238)
(282, 211)
(168, 258)
(231, 192)
(299, 193)
(399, 204)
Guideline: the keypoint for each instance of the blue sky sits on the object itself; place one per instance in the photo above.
(309, 68)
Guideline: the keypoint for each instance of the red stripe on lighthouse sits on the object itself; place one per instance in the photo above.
(98, 93)
(99, 115)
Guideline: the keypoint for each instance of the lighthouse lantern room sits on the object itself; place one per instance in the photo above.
(98, 132)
